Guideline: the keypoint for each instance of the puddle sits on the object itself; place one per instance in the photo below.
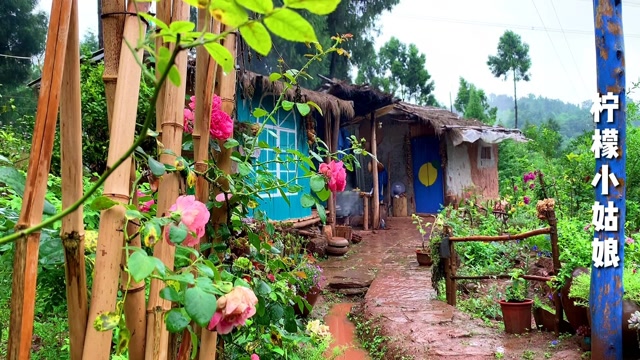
(343, 332)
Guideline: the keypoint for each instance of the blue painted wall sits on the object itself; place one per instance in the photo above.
(289, 133)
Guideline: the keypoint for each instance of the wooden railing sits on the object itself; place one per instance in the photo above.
(450, 263)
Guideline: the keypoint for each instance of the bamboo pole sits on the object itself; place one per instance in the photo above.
(113, 27)
(163, 13)
(135, 302)
(335, 147)
(375, 201)
(331, 204)
(72, 231)
(116, 187)
(171, 117)
(25, 259)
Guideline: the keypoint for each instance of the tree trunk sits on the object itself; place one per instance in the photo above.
(100, 41)
(515, 98)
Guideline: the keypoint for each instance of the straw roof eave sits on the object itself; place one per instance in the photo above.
(253, 84)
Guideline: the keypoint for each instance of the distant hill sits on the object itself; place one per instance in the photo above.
(535, 110)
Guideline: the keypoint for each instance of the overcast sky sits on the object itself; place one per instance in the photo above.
(457, 36)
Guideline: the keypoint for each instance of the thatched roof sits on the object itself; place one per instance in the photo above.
(365, 97)
(252, 84)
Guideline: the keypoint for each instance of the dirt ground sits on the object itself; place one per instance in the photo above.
(396, 296)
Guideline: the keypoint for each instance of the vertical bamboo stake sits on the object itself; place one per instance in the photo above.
(375, 202)
(72, 232)
(332, 196)
(113, 26)
(335, 147)
(25, 260)
(163, 13)
(116, 187)
(157, 345)
(135, 302)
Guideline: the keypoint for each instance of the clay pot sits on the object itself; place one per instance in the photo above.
(629, 337)
(516, 316)
(545, 320)
(312, 298)
(576, 315)
(424, 258)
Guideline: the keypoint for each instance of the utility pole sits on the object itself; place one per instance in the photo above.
(450, 102)
(605, 298)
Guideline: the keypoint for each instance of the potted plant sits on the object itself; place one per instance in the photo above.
(516, 308)
(423, 254)
(543, 315)
(308, 287)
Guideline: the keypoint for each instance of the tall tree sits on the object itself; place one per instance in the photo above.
(22, 36)
(472, 103)
(401, 70)
(512, 60)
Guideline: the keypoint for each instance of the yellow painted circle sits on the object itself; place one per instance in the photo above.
(427, 174)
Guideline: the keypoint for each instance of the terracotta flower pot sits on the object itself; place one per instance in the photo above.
(516, 316)
(424, 258)
(545, 320)
(312, 298)
(576, 315)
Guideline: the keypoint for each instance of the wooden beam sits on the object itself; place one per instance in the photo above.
(374, 171)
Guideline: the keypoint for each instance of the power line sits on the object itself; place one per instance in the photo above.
(568, 45)
(553, 45)
(502, 25)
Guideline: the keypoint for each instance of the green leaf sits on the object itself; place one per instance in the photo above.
(287, 105)
(322, 213)
(303, 108)
(317, 183)
(174, 75)
(140, 265)
(290, 25)
(181, 26)
(151, 233)
(106, 321)
(318, 7)
(156, 167)
(11, 177)
(311, 103)
(259, 112)
(177, 320)
(231, 143)
(200, 305)
(102, 203)
(259, 6)
(177, 234)
(221, 55)
(323, 194)
(170, 294)
(229, 13)
(244, 169)
(133, 214)
(275, 77)
(257, 37)
(262, 287)
(307, 201)
(153, 20)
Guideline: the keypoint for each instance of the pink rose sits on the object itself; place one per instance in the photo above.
(526, 200)
(234, 309)
(336, 175)
(194, 215)
(146, 206)
(255, 357)
(221, 127)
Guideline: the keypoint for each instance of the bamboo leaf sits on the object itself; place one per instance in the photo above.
(303, 108)
(200, 305)
(156, 167)
(177, 320)
(259, 6)
(307, 201)
(228, 12)
(102, 203)
(221, 55)
(257, 37)
(140, 265)
(317, 183)
(318, 7)
(290, 25)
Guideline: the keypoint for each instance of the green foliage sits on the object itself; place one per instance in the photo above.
(517, 289)
(401, 70)
(472, 103)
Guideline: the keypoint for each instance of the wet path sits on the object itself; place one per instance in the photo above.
(343, 332)
(402, 301)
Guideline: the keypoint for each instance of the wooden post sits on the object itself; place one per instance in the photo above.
(605, 298)
(335, 144)
(171, 117)
(375, 201)
(366, 210)
(116, 187)
(332, 197)
(555, 254)
(453, 287)
(72, 231)
(25, 258)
